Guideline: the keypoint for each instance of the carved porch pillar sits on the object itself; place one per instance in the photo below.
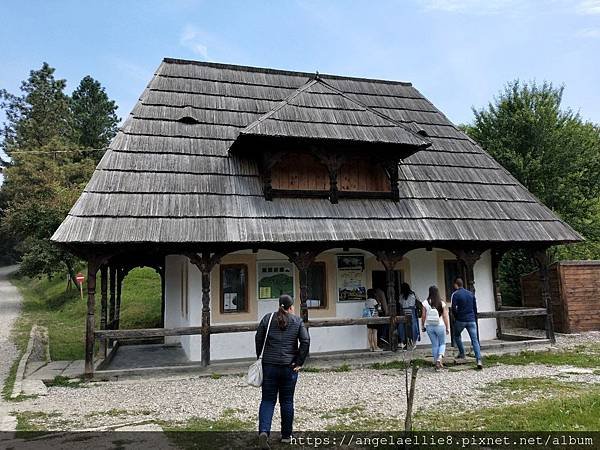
(90, 319)
(303, 259)
(103, 308)
(496, 259)
(389, 259)
(205, 262)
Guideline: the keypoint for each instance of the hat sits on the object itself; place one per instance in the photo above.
(285, 301)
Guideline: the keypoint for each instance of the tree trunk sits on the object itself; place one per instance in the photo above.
(410, 398)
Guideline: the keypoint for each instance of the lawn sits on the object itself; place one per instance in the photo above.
(560, 407)
(47, 303)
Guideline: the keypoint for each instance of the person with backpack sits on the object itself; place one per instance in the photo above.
(408, 306)
(282, 358)
(437, 325)
(464, 310)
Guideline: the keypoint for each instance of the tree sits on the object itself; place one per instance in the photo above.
(554, 154)
(43, 135)
(95, 118)
(42, 112)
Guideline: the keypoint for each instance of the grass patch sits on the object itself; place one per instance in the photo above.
(182, 434)
(342, 368)
(47, 303)
(580, 356)
(311, 369)
(28, 423)
(216, 376)
(372, 423)
(535, 385)
(398, 364)
(60, 381)
(571, 409)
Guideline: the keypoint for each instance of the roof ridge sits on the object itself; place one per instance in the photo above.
(279, 71)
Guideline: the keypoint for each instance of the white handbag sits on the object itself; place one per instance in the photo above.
(255, 372)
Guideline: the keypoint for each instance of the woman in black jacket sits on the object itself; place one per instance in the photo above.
(282, 359)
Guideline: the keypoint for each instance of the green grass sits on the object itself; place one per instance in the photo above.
(342, 368)
(563, 407)
(63, 312)
(587, 356)
(28, 423)
(67, 382)
(398, 364)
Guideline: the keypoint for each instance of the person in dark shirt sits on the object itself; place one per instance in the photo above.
(464, 310)
(282, 359)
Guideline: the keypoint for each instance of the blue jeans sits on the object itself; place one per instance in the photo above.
(472, 330)
(277, 380)
(416, 335)
(437, 336)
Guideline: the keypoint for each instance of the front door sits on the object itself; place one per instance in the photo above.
(451, 272)
(378, 282)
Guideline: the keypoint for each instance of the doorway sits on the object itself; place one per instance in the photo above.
(378, 282)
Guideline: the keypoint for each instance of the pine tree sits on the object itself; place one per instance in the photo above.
(94, 114)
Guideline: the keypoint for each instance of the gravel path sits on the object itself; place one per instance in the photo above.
(322, 399)
(10, 306)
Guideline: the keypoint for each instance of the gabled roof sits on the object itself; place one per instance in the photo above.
(169, 177)
(321, 112)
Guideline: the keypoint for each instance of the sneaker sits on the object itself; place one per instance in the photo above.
(286, 440)
(263, 441)
(378, 349)
(438, 365)
(479, 365)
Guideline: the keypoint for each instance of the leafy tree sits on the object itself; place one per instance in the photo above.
(554, 154)
(42, 112)
(44, 135)
(95, 118)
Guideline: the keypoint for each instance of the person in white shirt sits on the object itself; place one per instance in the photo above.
(372, 308)
(437, 324)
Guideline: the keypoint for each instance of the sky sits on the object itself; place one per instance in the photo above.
(458, 53)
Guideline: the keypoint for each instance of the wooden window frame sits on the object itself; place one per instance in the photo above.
(325, 301)
(222, 268)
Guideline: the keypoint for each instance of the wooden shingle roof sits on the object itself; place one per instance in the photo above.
(169, 177)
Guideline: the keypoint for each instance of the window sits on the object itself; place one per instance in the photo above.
(234, 288)
(317, 286)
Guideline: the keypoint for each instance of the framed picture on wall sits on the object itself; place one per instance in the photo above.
(351, 278)
(275, 278)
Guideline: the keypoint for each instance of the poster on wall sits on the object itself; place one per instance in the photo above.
(275, 279)
(350, 277)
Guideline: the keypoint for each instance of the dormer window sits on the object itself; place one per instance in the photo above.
(322, 142)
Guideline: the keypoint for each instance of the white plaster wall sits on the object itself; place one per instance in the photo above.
(484, 293)
(423, 273)
(173, 317)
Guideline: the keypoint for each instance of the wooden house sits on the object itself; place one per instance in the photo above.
(240, 183)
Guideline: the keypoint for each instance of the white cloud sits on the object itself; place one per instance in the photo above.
(193, 39)
(589, 33)
(589, 7)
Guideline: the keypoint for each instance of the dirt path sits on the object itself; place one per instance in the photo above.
(10, 306)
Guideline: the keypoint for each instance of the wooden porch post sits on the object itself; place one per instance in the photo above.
(120, 276)
(103, 301)
(389, 259)
(205, 263)
(542, 260)
(303, 260)
(90, 322)
(496, 258)
(162, 296)
(112, 301)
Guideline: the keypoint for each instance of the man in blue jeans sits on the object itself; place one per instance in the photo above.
(464, 309)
